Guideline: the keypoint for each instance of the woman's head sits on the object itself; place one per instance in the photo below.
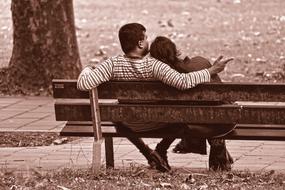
(165, 50)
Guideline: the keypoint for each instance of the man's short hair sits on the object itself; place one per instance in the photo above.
(129, 36)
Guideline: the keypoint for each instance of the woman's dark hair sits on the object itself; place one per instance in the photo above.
(163, 49)
(129, 36)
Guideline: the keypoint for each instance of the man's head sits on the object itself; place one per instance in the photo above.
(132, 37)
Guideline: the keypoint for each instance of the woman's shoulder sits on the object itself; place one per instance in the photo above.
(198, 61)
(193, 64)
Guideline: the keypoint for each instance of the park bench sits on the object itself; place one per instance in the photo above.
(259, 111)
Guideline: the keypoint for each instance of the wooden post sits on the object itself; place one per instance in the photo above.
(96, 121)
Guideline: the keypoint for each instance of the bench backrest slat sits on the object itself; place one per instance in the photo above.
(150, 90)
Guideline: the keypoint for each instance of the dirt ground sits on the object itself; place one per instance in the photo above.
(32, 139)
(138, 177)
(252, 32)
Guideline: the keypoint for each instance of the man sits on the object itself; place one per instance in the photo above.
(133, 65)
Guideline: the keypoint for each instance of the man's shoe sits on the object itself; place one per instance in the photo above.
(157, 162)
(163, 155)
(220, 159)
(179, 148)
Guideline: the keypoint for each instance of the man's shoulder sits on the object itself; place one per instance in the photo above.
(119, 59)
(152, 60)
(116, 57)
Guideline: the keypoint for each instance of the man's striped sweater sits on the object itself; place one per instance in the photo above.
(123, 68)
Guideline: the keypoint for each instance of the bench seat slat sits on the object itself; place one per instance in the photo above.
(257, 134)
(242, 132)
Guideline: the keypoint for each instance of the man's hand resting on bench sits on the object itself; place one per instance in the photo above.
(218, 65)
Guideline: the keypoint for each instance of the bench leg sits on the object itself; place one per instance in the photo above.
(96, 161)
(109, 152)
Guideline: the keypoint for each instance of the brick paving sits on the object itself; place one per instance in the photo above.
(34, 114)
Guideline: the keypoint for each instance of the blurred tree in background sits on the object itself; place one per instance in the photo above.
(44, 46)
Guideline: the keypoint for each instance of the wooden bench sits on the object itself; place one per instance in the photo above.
(91, 114)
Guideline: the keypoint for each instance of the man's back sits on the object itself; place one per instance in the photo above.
(125, 68)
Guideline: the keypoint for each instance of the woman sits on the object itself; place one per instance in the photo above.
(165, 50)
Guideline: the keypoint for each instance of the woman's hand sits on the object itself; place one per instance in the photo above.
(219, 65)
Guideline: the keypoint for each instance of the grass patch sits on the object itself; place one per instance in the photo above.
(139, 177)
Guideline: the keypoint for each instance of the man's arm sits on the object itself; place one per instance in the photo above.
(91, 77)
(169, 76)
(182, 81)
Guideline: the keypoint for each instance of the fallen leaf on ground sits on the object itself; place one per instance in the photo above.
(190, 179)
(170, 23)
(184, 186)
(145, 184)
(63, 188)
(202, 187)
(237, 75)
(59, 141)
(165, 185)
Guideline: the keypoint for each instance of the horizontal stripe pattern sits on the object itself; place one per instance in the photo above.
(122, 68)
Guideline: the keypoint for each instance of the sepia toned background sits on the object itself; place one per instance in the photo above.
(250, 31)
(253, 32)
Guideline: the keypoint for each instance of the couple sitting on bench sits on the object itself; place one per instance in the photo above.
(165, 65)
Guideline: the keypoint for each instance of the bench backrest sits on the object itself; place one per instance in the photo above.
(154, 101)
(153, 90)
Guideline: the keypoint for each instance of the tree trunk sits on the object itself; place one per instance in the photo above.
(44, 46)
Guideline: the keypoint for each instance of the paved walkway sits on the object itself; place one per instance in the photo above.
(37, 114)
